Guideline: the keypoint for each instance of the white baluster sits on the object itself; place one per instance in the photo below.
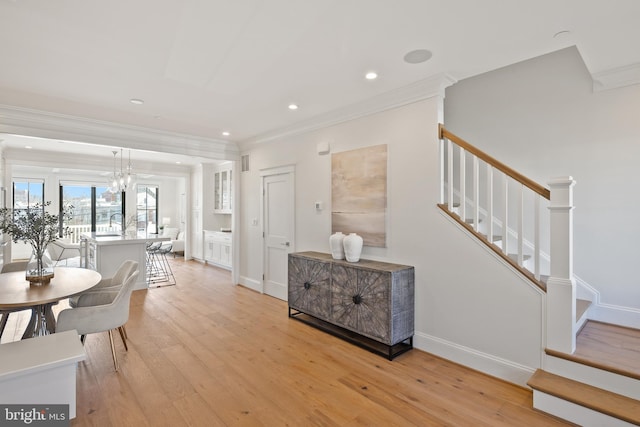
(476, 194)
(441, 150)
(450, 175)
(520, 227)
(536, 236)
(463, 197)
(505, 216)
(490, 231)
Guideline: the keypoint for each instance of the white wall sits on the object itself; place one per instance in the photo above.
(542, 118)
(470, 307)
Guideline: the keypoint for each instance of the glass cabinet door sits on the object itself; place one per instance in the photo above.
(216, 192)
(224, 190)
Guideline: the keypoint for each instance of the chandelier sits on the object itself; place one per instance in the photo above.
(120, 181)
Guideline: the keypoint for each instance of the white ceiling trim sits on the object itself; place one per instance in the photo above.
(617, 77)
(418, 91)
(43, 124)
(66, 162)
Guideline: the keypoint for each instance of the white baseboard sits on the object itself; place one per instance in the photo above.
(250, 283)
(614, 314)
(486, 363)
(607, 313)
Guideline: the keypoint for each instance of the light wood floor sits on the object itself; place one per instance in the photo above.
(207, 353)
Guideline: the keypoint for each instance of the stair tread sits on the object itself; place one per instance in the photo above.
(606, 402)
(608, 347)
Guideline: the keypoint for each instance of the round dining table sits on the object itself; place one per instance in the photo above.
(16, 293)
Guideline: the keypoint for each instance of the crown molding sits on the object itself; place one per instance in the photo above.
(616, 77)
(45, 124)
(418, 91)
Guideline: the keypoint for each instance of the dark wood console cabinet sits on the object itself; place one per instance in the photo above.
(369, 303)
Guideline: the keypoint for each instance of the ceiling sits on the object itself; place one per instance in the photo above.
(203, 67)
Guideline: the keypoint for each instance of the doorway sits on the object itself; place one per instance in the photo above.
(278, 218)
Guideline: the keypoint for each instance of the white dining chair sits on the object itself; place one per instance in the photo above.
(100, 311)
(125, 270)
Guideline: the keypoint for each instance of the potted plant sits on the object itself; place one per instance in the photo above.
(38, 228)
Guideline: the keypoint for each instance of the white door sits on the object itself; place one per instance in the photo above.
(278, 220)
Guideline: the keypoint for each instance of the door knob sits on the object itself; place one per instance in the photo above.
(285, 243)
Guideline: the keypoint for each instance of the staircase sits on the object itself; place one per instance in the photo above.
(597, 385)
(591, 371)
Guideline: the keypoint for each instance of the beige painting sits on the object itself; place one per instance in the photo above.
(359, 193)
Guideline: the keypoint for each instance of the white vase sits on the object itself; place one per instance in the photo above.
(352, 247)
(335, 242)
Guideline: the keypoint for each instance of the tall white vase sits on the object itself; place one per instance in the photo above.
(335, 242)
(352, 247)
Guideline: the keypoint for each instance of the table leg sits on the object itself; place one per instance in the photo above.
(42, 321)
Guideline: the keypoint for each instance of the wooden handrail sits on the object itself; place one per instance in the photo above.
(534, 186)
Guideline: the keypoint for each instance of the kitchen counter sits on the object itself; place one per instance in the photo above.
(119, 239)
(105, 252)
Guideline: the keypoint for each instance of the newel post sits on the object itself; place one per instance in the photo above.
(561, 289)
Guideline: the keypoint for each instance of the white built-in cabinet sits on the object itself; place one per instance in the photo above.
(222, 177)
(211, 209)
(217, 248)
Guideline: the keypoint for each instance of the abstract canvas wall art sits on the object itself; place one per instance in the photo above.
(359, 193)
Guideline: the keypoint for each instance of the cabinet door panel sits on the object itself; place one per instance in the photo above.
(309, 286)
(360, 301)
(225, 254)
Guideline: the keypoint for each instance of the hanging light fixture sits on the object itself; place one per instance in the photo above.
(113, 180)
(130, 175)
(118, 182)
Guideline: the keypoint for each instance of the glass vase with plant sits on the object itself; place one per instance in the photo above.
(38, 228)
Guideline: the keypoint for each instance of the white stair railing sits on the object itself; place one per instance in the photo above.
(520, 220)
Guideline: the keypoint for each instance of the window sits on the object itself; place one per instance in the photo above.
(147, 208)
(27, 193)
(95, 208)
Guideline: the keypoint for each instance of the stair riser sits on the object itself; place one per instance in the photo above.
(605, 380)
(575, 413)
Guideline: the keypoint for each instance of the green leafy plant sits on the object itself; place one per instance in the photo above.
(34, 226)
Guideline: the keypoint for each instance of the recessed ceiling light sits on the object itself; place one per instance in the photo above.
(28, 147)
(225, 133)
(136, 101)
(417, 56)
(178, 162)
(293, 106)
(371, 75)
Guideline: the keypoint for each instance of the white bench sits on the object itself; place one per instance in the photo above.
(41, 370)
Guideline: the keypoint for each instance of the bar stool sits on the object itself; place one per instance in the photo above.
(161, 255)
(159, 270)
(153, 270)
